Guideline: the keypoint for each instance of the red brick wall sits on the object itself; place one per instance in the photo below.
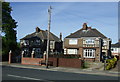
(66, 62)
(54, 60)
(32, 61)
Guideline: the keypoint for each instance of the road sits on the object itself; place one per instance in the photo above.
(15, 73)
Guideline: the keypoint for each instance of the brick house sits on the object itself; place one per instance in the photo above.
(37, 43)
(89, 43)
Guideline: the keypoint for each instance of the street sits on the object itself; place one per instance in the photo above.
(13, 73)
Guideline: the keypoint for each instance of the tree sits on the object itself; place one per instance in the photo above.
(8, 28)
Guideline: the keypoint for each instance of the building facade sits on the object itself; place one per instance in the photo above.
(36, 43)
(87, 42)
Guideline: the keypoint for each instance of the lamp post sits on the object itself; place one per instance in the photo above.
(49, 22)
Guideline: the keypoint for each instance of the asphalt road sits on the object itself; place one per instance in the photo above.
(13, 73)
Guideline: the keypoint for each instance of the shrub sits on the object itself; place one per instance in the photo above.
(85, 64)
(111, 63)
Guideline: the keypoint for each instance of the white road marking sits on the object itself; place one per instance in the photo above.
(27, 78)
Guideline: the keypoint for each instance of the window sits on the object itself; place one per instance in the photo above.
(89, 41)
(115, 49)
(104, 42)
(89, 53)
(25, 42)
(73, 41)
(37, 53)
(51, 44)
(37, 42)
(72, 51)
(26, 53)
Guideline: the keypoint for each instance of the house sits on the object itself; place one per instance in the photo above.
(34, 45)
(89, 43)
(115, 49)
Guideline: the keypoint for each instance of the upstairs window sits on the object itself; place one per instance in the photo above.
(52, 44)
(104, 42)
(89, 41)
(25, 42)
(35, 42)
(73, 41)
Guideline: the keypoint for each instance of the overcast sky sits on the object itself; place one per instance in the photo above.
(67, 17)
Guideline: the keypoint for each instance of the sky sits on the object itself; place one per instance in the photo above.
(67, 17)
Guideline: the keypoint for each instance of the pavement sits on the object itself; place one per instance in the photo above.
(65, 69)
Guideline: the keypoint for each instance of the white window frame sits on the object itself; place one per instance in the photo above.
(86, 53)
(89, 41)
(52, 44)
(104, 42)
(25, 42)
(73, 41)
(72, 51)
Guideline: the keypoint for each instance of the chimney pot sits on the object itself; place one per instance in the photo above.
(61, 36)
(37, 29)
(85, 26)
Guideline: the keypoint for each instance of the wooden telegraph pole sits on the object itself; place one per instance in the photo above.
(48, 39)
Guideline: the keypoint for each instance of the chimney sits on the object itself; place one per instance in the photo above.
(37, 29)
(61, 36)
(85, 26)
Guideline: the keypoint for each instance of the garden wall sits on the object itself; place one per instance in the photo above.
(32, 61)
(66, 62)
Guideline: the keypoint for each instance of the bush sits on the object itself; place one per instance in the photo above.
(85, 64)
(111, 63)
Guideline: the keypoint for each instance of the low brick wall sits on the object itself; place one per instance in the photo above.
(54, 60)
(66, 62)
(32, 61)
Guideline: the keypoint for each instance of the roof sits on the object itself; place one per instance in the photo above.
(41, 35)
(116, 45)
(86, 32)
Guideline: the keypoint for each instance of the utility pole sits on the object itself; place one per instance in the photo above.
(48, 39)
